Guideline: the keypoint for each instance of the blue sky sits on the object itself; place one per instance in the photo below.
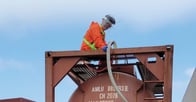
(28, 28)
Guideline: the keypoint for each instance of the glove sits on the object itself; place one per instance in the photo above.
(104, 48)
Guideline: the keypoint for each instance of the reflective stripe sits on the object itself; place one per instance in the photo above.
(102, 32)
(92, 46)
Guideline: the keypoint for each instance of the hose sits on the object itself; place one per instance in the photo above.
(110, 71)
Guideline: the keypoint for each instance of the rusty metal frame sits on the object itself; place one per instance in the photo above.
(59, 63)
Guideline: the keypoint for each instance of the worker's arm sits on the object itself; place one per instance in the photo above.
(99, 39)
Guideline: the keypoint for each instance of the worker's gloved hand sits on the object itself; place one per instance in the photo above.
(104, 48)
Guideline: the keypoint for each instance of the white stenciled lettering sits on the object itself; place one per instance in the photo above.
(97, 89)
(111, 88)
(106, 101)
(101, 101)
(112, 95)
(123, 88)
(93, 101)
(120, 87)
(102, 96)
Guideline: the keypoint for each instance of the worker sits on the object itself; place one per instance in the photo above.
(94, 39)
(95, 36)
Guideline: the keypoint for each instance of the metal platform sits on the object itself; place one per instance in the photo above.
(154, 64)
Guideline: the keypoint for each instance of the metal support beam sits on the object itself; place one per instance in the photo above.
(49, 89)
(58, 64)
(168, 67)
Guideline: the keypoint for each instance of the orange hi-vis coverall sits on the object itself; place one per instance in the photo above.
(94, 38)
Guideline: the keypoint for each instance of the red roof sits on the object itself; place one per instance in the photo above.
(16, 100)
